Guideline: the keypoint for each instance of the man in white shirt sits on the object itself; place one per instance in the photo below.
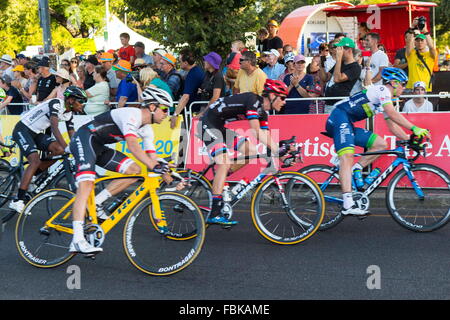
(379, 59)
(419, 104)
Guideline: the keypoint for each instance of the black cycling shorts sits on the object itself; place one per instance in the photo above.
(30, 142)
(88, 152)
(217, 138)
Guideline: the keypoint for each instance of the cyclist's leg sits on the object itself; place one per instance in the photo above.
(372, 142)
(213, 138)
(85, 158)
(246, 148)
(341, 129)
(25, 139)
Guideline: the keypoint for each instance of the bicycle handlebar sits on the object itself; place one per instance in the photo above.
(414, 143)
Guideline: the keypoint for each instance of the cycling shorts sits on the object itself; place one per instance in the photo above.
(29, 141)
(217, 138)
(345, 135)
(89, 151)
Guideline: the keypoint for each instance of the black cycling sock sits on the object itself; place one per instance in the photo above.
(216, 205)
(21, 194)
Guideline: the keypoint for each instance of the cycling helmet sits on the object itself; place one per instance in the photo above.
(156, 95)
(77, 93)
(394, 74)
(275, 86)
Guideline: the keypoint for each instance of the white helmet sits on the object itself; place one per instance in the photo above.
(156, 95)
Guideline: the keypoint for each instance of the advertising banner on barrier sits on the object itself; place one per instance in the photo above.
(316, 148)
(438, 149)
(166, 140)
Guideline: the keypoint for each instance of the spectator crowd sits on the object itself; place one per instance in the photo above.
(116, 78)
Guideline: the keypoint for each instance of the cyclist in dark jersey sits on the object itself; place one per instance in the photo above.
(360, 106)
(218, 140)
(88, 148)
(29, 134)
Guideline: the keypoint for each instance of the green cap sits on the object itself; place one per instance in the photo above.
(346, 42)
(421, 36)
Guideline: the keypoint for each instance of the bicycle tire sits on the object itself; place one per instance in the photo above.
(321, 173)
(156, 253)
(39, 246)
(295, 227)
(9, 182)
(200, 189)
(416, 214)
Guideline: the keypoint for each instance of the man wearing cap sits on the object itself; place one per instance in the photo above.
(274, 41)
(419, 104)
(343, 76)
(107, 61)
(127, 90)
(139, 48)
(170, 75)
(6, 66)
(273, 69)
(90, 64)
(46, 82)
(12, 96)
(420, 53)
(22, 59)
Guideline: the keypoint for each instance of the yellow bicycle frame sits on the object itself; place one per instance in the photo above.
(149, 185)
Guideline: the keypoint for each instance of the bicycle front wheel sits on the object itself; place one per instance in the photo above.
(162, 254)
(289, 216)
(40, 245)
(421, 202)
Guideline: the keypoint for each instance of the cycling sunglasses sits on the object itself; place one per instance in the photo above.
(164, 108)
(282, 98)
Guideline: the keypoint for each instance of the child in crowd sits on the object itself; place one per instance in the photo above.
(233, 63)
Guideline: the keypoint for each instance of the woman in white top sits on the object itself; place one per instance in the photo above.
(419, 104)
(98, 94)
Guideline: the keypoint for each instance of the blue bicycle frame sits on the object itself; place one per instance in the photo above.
(400, 152)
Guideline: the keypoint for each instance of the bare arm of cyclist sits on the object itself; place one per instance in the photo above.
(263, 135)
(396, 130)
(55, 130)
(136, 150)
(396, 117)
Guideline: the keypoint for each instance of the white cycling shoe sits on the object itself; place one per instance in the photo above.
(83, 247)
(354, 211)
(17, 205)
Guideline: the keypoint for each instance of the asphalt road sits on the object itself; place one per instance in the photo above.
(370, 259)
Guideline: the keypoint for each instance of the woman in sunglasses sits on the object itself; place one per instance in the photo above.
(89, 149)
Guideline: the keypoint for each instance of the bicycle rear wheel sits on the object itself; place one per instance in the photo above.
(290, 217)
(330, 185)
(9, 182)
(162, 254)
(39, 245)
(421, 208)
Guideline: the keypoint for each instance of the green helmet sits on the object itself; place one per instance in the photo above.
(77, 93)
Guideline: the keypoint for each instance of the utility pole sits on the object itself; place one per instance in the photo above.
(105, 34)
(45, 25)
